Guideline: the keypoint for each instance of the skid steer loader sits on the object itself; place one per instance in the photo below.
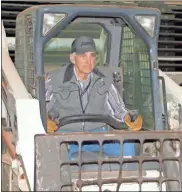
(126, 40)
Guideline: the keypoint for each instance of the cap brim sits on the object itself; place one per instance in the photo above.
(82, 51)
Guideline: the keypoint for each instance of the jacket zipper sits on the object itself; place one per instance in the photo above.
(79, 97)
(90, 90)
(83, 110)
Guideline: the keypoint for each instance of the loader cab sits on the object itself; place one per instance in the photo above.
(126, 41)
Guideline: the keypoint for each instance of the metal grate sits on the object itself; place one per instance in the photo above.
(157, 165)
(24, 42)
(136, 77)
(29, 47)
(20, 42)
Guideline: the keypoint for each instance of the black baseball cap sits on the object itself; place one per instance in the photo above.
(82, 45)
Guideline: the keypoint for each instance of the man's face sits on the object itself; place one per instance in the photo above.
(85, 62)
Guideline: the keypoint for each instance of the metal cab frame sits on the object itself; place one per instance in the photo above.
(127, 14)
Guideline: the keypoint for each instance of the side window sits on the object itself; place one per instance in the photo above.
(136, 75)
(57, 49)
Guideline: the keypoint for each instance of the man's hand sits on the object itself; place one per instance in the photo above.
(136, 125)
(51, 126)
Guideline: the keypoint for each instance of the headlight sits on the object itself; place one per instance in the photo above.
(147, 22)
(50, 20)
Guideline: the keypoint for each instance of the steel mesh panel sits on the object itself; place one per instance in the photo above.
(136, 67)
(159, 162)
(24, 51)
(29, 53)
(20, 40)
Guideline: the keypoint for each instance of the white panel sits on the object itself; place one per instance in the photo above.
(29, 124)
(174, 97)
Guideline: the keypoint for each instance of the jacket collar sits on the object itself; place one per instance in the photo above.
(69, 73)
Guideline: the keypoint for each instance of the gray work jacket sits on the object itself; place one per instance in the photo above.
(63, 97)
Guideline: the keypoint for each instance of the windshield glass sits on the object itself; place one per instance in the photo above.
(57, 50)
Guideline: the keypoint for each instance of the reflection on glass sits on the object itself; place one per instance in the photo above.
(148, 23)
(51, 20)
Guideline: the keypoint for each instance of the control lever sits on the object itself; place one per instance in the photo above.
(53, 115)
(133, 115)
(118, 82)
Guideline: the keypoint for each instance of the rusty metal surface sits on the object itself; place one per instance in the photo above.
(7, 138)
(53, 170)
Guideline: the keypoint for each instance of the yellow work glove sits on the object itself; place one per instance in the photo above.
(51, 125)
(136, 125)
